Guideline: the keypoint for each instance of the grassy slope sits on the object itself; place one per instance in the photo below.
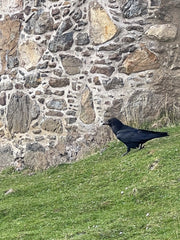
(102, 197)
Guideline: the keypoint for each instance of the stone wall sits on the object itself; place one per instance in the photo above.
(65, 66)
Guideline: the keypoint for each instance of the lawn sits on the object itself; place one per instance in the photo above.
(105, 196)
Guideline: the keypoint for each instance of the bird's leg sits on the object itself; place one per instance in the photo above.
(141, 146)
(128, 150)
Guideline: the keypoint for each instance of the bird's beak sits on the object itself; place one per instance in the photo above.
(105, 123)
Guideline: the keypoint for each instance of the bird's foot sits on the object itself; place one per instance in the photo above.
(124, 154)
(128, 150)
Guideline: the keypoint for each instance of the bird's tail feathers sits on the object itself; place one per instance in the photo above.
(154, 134)
(161, 134)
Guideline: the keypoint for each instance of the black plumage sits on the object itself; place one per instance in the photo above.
(132, 137)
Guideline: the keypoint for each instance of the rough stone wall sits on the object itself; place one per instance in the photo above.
(65, 66)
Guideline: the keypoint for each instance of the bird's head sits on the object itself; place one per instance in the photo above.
(112, 122)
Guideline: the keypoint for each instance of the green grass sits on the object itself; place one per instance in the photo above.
(105, 196)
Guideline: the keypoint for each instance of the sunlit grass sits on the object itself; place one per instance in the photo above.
(102, 197)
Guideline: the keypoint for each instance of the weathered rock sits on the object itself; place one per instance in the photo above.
(145, 104)
(77, 15)
(10, 191)
(113, 83)
(35, 110)
(135, 28)
(61, 42)
(163, 86)
(59, 82)
(71, 120)
(134, 8)
(82, 39)
(128, 39)
(102, 29)
(58, 93)
(11, 6)
(140, 60)
(19, 86)
(54, 114)
(2, 133)
(71, 112)
(58, 72)
(110, 47)
(32, 80)
(58, 104)
(35, 147)
(6, 154)
(36, 160)
(20, 112)
(5, 85)
(163, 32)
(12, 61)
(96, 80)
(43, 65)
(52, 125)
(43, 24)
(27, 10)
(115, 56)
(37, 3)
(87, 114)
(55, 11)
(3, 98)
(9, 36)
(65, 25)
(41, 100)
(114, 110)
(40, 23)
(103, 70)
(71, 64)
(30, 53)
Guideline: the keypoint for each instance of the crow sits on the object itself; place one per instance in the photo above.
(132, 137)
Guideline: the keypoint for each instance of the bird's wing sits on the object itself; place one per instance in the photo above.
(133, 135)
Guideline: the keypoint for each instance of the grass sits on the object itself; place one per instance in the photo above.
(104, 196)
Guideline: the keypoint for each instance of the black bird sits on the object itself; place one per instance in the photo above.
(132, 137)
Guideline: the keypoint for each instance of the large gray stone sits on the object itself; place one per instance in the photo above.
(9, 37)
(35, 147)
(52, 125)
(59, 82)
(134, 8)
(87, 114)
(43, 24)
(20, 112)
(30, 54)
(40, 23)
(71, 64)
(77, 15)
(3, 98)
(114, 110)
(6, 154)
(57, 104)
(65, 25)
(143, 106)
(113, 83)
(82, 39)
(163, 32)
(36, 160)
(32, 80)
(61, 42)
(5, 85)
(105, 70)
(140, 60)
